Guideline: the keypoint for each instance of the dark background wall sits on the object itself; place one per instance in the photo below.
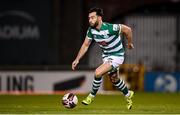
(47, 34)
(25, 32)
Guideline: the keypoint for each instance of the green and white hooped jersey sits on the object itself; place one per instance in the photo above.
(108, 38)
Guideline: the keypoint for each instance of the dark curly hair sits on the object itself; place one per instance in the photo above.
(98, 11)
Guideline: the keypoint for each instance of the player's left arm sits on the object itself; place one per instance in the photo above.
(128, 33)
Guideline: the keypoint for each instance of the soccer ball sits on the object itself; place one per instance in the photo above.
(69, 100)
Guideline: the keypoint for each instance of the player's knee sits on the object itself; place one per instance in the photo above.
(98, 73)
(113, 77)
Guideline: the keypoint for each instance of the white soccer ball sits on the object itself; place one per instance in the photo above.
(69, 100)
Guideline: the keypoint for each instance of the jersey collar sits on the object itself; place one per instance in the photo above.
(103, 25)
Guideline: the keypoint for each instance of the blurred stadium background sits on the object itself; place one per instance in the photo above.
(39, 39)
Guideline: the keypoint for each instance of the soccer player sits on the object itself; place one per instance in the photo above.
(108, 38)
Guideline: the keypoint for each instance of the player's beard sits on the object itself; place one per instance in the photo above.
(94, 25)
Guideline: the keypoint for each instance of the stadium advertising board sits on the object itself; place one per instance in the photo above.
(162, 82)
(46, 82)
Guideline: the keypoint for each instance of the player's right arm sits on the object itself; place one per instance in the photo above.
(81, 52)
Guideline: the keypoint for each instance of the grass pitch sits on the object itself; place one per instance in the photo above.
(144, 103)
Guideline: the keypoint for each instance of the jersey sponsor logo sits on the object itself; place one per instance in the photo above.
(106, 36)
(102, 34)
(103, 43)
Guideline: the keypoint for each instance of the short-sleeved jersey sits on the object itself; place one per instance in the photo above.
(108, 38)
